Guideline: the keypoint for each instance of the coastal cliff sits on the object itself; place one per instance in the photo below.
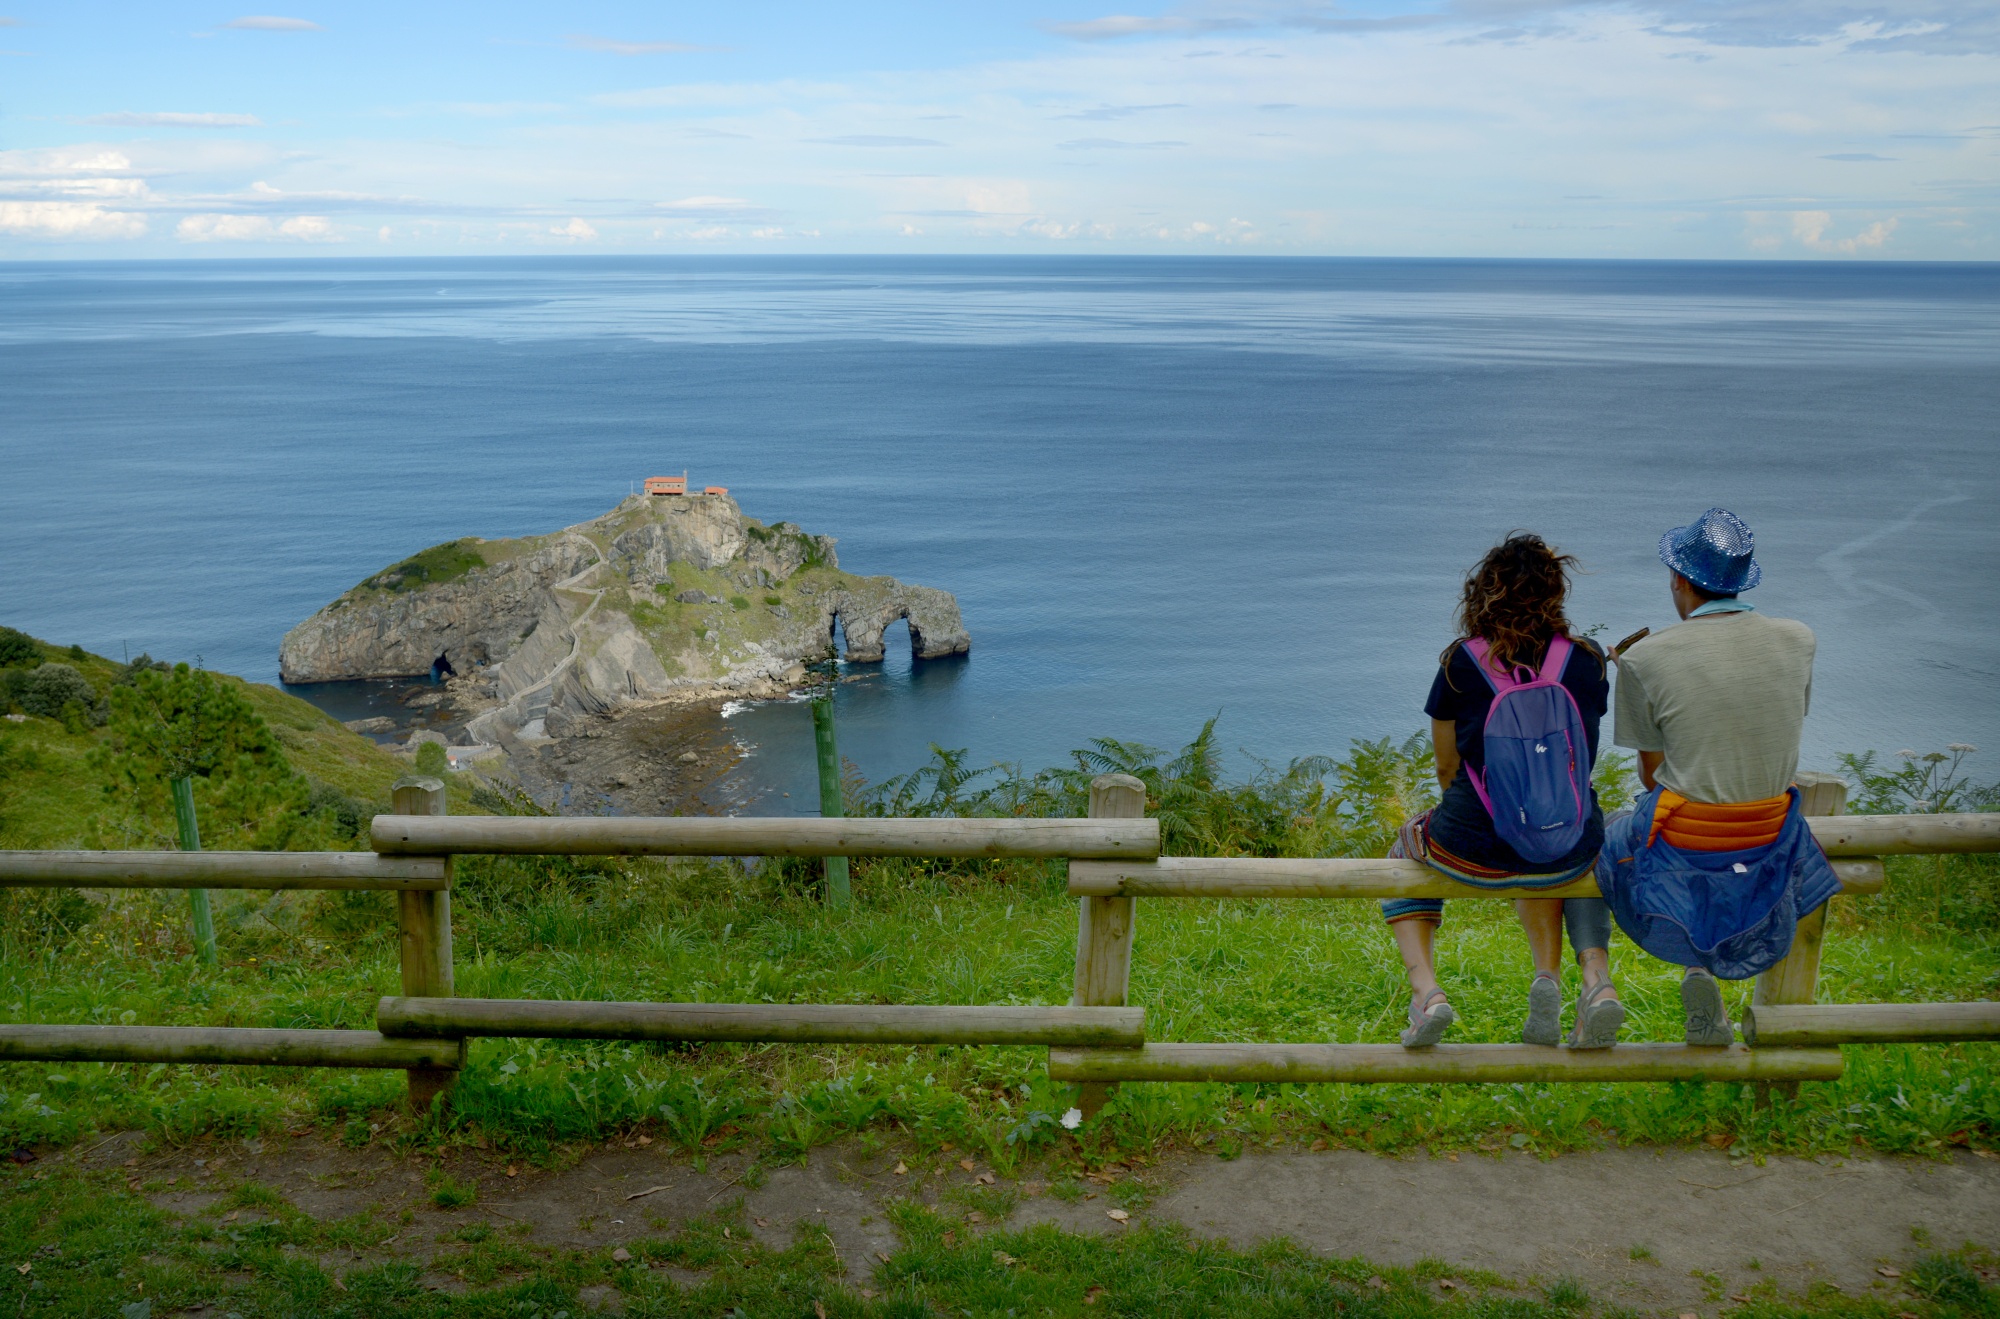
(663, 597)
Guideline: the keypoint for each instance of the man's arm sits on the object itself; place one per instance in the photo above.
(1444, 744)
(1649, 765)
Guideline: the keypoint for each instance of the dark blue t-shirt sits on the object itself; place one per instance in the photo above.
(1460, 824)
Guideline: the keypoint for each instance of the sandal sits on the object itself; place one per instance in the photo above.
(1597, 1019)
(1545, 1010)
(1428, 1025)
(1707, 1019)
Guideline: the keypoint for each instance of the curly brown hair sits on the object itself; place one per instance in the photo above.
(1514, 599)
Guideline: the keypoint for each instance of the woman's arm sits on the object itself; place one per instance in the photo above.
(1444, 743)
(1649, 765)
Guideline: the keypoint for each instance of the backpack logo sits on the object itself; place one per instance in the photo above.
(1536, 784)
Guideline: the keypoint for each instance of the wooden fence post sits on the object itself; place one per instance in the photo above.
(424, 919)
(1796, 978)
(1104, 925)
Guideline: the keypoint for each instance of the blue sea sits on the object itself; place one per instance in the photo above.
(1162, 489)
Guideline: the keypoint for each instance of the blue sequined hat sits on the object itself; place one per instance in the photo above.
(1715, 552)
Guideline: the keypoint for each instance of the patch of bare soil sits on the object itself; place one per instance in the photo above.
(1651, 1229)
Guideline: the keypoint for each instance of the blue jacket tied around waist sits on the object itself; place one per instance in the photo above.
(1733, 913)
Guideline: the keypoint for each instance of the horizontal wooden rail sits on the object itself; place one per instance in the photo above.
(788, 1023)
(1906, 835)
(1336, 877)
(264, 870)
(738, 836)
(1365, 1063)
(1822, 1024)
(223, 1044)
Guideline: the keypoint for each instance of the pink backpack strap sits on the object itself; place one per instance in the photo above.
(1482, 656)
(1558, 656)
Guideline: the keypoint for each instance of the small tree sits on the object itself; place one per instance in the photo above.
(185, 738)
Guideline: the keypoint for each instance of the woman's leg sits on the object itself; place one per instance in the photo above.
(1416, 938)
(1414, 922)
(1542, 918)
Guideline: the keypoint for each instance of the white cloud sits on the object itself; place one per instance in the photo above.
(606, 46)
(215, 228)
(1810, 228)
(68, 220)
(174, 119)
(1113, 26)
(576, 231)
(61, 160)
(101, 188)
(1113, 144)
(875, 140)
(272, 23)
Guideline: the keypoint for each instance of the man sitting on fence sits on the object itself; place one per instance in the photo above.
(1714, 865)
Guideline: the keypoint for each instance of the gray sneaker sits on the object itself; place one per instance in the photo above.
(1598, 1016)
(1428, 1026)
(1707, 1019)
(1545, 1010)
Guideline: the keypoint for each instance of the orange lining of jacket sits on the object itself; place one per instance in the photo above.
(1699, 826)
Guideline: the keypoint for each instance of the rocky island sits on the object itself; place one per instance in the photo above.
(676, 599)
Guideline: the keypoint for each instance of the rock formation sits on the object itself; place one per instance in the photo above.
(664, 596)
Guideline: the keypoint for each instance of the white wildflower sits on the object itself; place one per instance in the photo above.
(1907, 754)
(1962, 748)
(1072, 1119)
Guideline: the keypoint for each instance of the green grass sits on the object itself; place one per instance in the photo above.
(1261, 970)
(432, 567)
(92, 1248)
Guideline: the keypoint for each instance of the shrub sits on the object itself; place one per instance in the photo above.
(192, 724)
(17, 648)
(54, 686)
(345, 817)
(431, 758)
(739, 602)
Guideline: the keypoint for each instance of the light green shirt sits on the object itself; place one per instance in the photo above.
(1724, 698)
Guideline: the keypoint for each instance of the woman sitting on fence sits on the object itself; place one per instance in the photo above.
(1514, 712)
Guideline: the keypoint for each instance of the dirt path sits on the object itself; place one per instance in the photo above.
(1674, 1231)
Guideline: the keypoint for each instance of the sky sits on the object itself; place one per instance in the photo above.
(1714, 129)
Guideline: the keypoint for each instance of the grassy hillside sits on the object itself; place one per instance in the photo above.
(54, 792)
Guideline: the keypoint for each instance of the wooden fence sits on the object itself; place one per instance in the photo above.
(1097, 1039)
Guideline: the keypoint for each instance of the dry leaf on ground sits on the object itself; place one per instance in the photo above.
(1888, 1272)
(901, 1169)
(1118, 1215)
(967, 1164)
(621, 1256)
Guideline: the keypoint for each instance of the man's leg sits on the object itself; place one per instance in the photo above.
(1599, 1013)
(1707, 1017)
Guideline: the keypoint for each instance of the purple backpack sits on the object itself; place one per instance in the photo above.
(1537, 781)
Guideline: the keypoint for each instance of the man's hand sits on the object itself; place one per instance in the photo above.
(1630, 642)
